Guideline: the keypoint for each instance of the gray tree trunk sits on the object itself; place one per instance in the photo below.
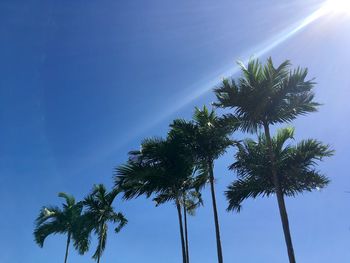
(216, 218)
(67, 247)
(186, 232)
(280, 198)
(178, 207)
(100, 245)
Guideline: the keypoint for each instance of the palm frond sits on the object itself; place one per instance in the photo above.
(120, 219)
(70, 200)
(246, 188)
(42, 231)
(192, 200)
(102, 240)
(47, 213)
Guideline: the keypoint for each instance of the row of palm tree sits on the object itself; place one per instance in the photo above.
(78, 220)
(178, 167)
(264, 96)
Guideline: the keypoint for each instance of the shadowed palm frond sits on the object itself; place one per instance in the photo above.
(120, 219)
(43, 231)
(242, 189)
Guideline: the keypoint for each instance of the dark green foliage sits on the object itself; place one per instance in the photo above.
(54, 220)
(100, 212)
(266, 94)
(162, 167)
(207, 135)
(177, 167)
(295, 166)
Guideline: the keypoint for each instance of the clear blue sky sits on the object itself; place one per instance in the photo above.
(82, 82)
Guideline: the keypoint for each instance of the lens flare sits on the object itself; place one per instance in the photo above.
(337, 6)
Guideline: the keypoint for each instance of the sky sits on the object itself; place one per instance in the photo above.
(83, 82)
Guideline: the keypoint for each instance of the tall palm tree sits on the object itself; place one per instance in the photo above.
(263, 96)
(295, 166)
(54, 220)
(208, 136)
(100, 212)
(162, 168)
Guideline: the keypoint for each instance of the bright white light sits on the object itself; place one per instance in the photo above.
(337, 6)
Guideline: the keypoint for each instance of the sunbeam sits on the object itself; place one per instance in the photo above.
(337, 6)
(207, 85)
(257, 51)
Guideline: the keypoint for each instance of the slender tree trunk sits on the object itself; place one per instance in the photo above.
(216, 218)
(100, 244)
(181, 231)
(186, 231)
(67, 247)
(280, 198)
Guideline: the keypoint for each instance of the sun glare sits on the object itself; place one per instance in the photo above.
(337, 6)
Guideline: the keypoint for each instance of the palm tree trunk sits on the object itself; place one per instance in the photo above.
(280, 198)
(216, 218)
(181, 231)
(67, 247)
(186, 232)
(100, 244)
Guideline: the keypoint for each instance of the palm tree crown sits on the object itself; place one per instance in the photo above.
(100, 212)
(295, 167)
(161, 167)
(54, 220)
(266, 94)
(164, 168)
(207, 134)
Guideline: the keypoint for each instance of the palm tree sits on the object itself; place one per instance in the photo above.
(99, 212)
(54, 220)
(162, 168)
(263, 96)
(295, 166)
(208, 137)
